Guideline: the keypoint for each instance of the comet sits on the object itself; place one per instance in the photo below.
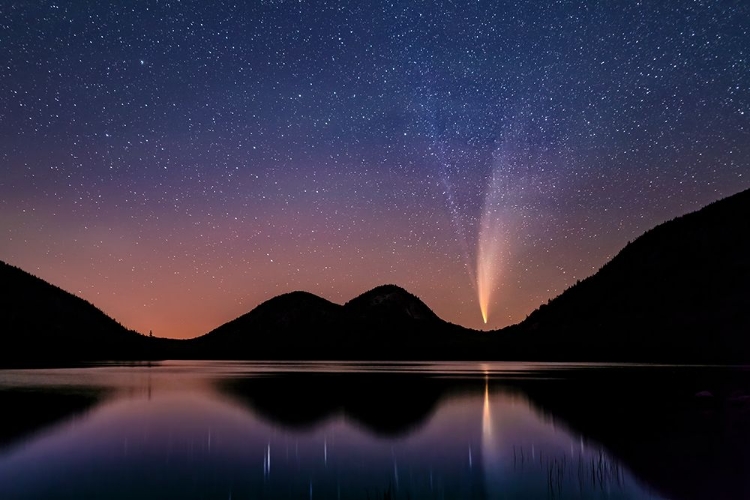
(498, 216)
(490, 248)
(503, 199)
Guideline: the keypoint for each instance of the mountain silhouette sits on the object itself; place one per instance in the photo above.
(386, 322)
(281, 315)
(43, 324)
(391, 303)
(680, 292)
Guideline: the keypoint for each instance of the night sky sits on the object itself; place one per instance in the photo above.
(177, 163)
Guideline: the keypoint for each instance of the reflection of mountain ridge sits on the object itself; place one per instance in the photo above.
(29, 412)
(386, 404)
(650, 419)
(683, 445)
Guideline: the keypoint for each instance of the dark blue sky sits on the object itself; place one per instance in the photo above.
(176, 163)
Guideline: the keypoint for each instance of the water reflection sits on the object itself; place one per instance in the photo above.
(533, 458)
(237, 430)
(387, 404)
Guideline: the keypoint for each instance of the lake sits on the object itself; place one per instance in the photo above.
(236, 430)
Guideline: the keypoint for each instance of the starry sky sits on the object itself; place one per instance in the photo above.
(178, 162)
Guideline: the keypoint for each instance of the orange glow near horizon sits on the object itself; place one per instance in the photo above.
(180, 281)
(180, 287)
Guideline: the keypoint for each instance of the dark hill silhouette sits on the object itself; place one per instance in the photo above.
(389, 303)
(386, 322)
(680, 292)
(295, 322)
(282, 314)
(43, 324)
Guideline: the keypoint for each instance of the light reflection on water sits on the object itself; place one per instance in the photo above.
(298, 430)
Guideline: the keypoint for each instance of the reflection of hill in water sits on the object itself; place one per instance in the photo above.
(385, 404)
(26, 412)
(662, 424)
(683, 445)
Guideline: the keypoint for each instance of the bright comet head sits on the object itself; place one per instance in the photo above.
(488, 266)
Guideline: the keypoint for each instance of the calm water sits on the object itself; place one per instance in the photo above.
(347, 430)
